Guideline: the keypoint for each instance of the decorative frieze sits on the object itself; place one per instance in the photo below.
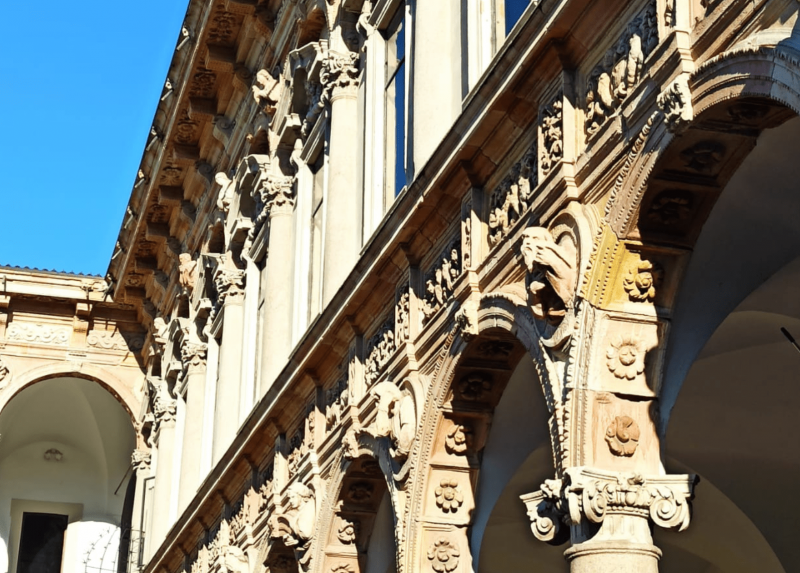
(440, 280)
(380, 348)
(512, 197)
(551, 134)
(402, 315)
(621, 69)
(115, 340)
(38, 333)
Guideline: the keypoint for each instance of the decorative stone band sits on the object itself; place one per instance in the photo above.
(589, 494)
(229, 284)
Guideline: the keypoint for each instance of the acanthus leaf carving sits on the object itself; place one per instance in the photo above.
(193, 356)
(140, 460)
(229, 284)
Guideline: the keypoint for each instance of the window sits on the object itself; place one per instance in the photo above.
(395, 101)
(513, 12)
(315, 267)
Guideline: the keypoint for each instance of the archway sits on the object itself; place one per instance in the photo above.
(65, 451)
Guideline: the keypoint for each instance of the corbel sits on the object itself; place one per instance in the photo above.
(220, 58)
(200, 107)
(170, 195)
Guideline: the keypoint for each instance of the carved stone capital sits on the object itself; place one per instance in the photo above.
(589, 495)
(193, 356)
(339, 74)
(140, 460)
(229, 284)
(276, 194)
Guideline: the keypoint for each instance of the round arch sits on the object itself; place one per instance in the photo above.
(121, 391)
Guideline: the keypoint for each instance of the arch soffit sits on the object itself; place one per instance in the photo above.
(764, 72)
(113, 384)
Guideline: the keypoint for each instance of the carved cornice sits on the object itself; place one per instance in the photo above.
(591, 495)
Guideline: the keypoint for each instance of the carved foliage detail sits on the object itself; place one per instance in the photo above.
(41, 333)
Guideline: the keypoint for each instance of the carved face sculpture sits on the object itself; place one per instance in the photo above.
(551, 274)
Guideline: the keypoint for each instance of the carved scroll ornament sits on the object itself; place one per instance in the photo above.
(591, 495)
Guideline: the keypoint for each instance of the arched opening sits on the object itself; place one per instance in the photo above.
(361, 537)
(492, 445)
(730, 393)
(65, 457)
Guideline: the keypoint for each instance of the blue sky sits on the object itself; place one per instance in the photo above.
(79, 84)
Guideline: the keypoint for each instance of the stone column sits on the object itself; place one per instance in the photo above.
(435, 86)
(164, 409)
(140, 461)
(277, 194)
(230, 289)
(193, 355)
(342, 202)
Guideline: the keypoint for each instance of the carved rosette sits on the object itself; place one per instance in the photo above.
(622, 436)
(443, 555)
(193, 356)
(459, 439)
(625, 357)
(592, 495)
(448, 495)
(642, 280)
(229, 284)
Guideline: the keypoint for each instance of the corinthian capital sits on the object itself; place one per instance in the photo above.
(276, 193)
(140, 459)
(229, 284)
(339, 72)
(193, 356)
(592, 495)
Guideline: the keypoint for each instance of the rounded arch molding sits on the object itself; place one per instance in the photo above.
(109, 381)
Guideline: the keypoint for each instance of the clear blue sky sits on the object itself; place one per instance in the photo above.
(79, 84)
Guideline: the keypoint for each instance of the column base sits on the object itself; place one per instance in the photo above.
(613, 557)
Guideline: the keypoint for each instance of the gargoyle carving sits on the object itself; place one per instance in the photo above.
(396, 418)
(552, 274)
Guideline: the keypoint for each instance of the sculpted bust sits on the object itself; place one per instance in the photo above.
(295, 524)
(551, 277)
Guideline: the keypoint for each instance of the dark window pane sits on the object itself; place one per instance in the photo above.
(400, 130)
(514, 10)
(41, 543)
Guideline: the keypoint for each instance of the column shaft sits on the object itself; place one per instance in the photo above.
(277, 317)
(341, 238)
(162, 491)
(226, 412)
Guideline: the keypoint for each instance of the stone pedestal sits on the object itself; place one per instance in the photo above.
(342, 203)
(194, 360)
(230, 289)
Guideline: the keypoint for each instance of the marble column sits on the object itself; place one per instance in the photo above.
(140, 461)
(230, 289)
(193, 355)
(342, 202)
(278, 197)
(162, 491)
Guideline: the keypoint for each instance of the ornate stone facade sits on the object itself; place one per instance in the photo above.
(369, 365)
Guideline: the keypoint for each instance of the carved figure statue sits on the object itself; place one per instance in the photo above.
(226, 191)
(294, 525)
(396, 418)
(266, 90)
(187, 270)
(552, 274)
